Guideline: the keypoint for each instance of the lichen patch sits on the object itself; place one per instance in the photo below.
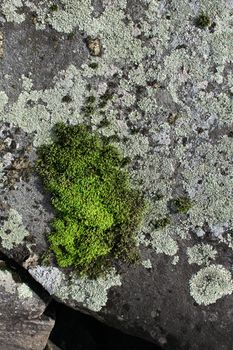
(210, 284)
(1, 44)
(12, 232)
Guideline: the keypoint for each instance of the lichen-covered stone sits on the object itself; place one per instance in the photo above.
(92, 294)
(13, 231)
(163, 93)
(201, 254)
(23, 325)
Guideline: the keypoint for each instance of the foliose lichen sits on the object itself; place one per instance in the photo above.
(9, 284)
(201, 254)
(147, 264)
(92, 293)
(10, 8)
(210, 284)
(12, 231)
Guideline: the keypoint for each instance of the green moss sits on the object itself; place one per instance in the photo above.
(66, 99)
(104, 123)
(90, 99)
(70, 36)
(202, 21)
(89, 107)
(180, 205)
(54, 7)
(97, 210)
(93, 65)
(161, 223)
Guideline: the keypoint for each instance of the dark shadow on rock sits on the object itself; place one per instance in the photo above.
(76, 331)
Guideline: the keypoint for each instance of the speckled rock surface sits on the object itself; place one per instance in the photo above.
(163, 90)
(23, 325)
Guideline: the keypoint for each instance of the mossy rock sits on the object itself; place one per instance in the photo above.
(98, 211)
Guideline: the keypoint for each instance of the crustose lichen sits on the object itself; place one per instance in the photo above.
(211, 283)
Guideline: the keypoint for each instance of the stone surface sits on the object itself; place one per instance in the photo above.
(171, 113)
(23, 325)
(51, 346)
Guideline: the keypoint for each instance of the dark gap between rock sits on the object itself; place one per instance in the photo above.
(74, 330)
(26, 278)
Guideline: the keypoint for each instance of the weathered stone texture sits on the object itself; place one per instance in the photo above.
(22, 324)
(170, 112)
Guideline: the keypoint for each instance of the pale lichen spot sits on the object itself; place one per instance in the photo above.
(1, 44)
(162, 242)
(7, 282)
(24, 291)
(201, 254)
(147, 264)
(10, 10)
(3, 101)
(13, 232)
(210, 284)
(90, 293)
(175, 260)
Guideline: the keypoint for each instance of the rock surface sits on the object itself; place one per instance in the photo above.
(23, 325)
(163, 92)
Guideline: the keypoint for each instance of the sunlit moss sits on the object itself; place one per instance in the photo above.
(97, 210)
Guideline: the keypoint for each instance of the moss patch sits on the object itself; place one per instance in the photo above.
(180, 205)
(98, 211)
(202, 21)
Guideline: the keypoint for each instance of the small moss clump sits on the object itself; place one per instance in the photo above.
(54, 7)
(202, 21)
(66, 99)
(180, 205)
(161, 223)
(90, 99)
(93, 65)
(90, 106)
(70, 36)
(104, 99)
(104, 123)
(98, 212)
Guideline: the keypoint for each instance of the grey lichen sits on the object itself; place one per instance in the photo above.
(92, 294)
(158, 74)
(1, 44)
(13, 231)
(2, 174)
(12, 287)
(175, 260)
(201, 254)
(3, 100)
(24, 291)
(7, 282)
(10, 8)
(210, 284)
(50, 277)
(147, 264)
(48, 104)
(163, 242)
